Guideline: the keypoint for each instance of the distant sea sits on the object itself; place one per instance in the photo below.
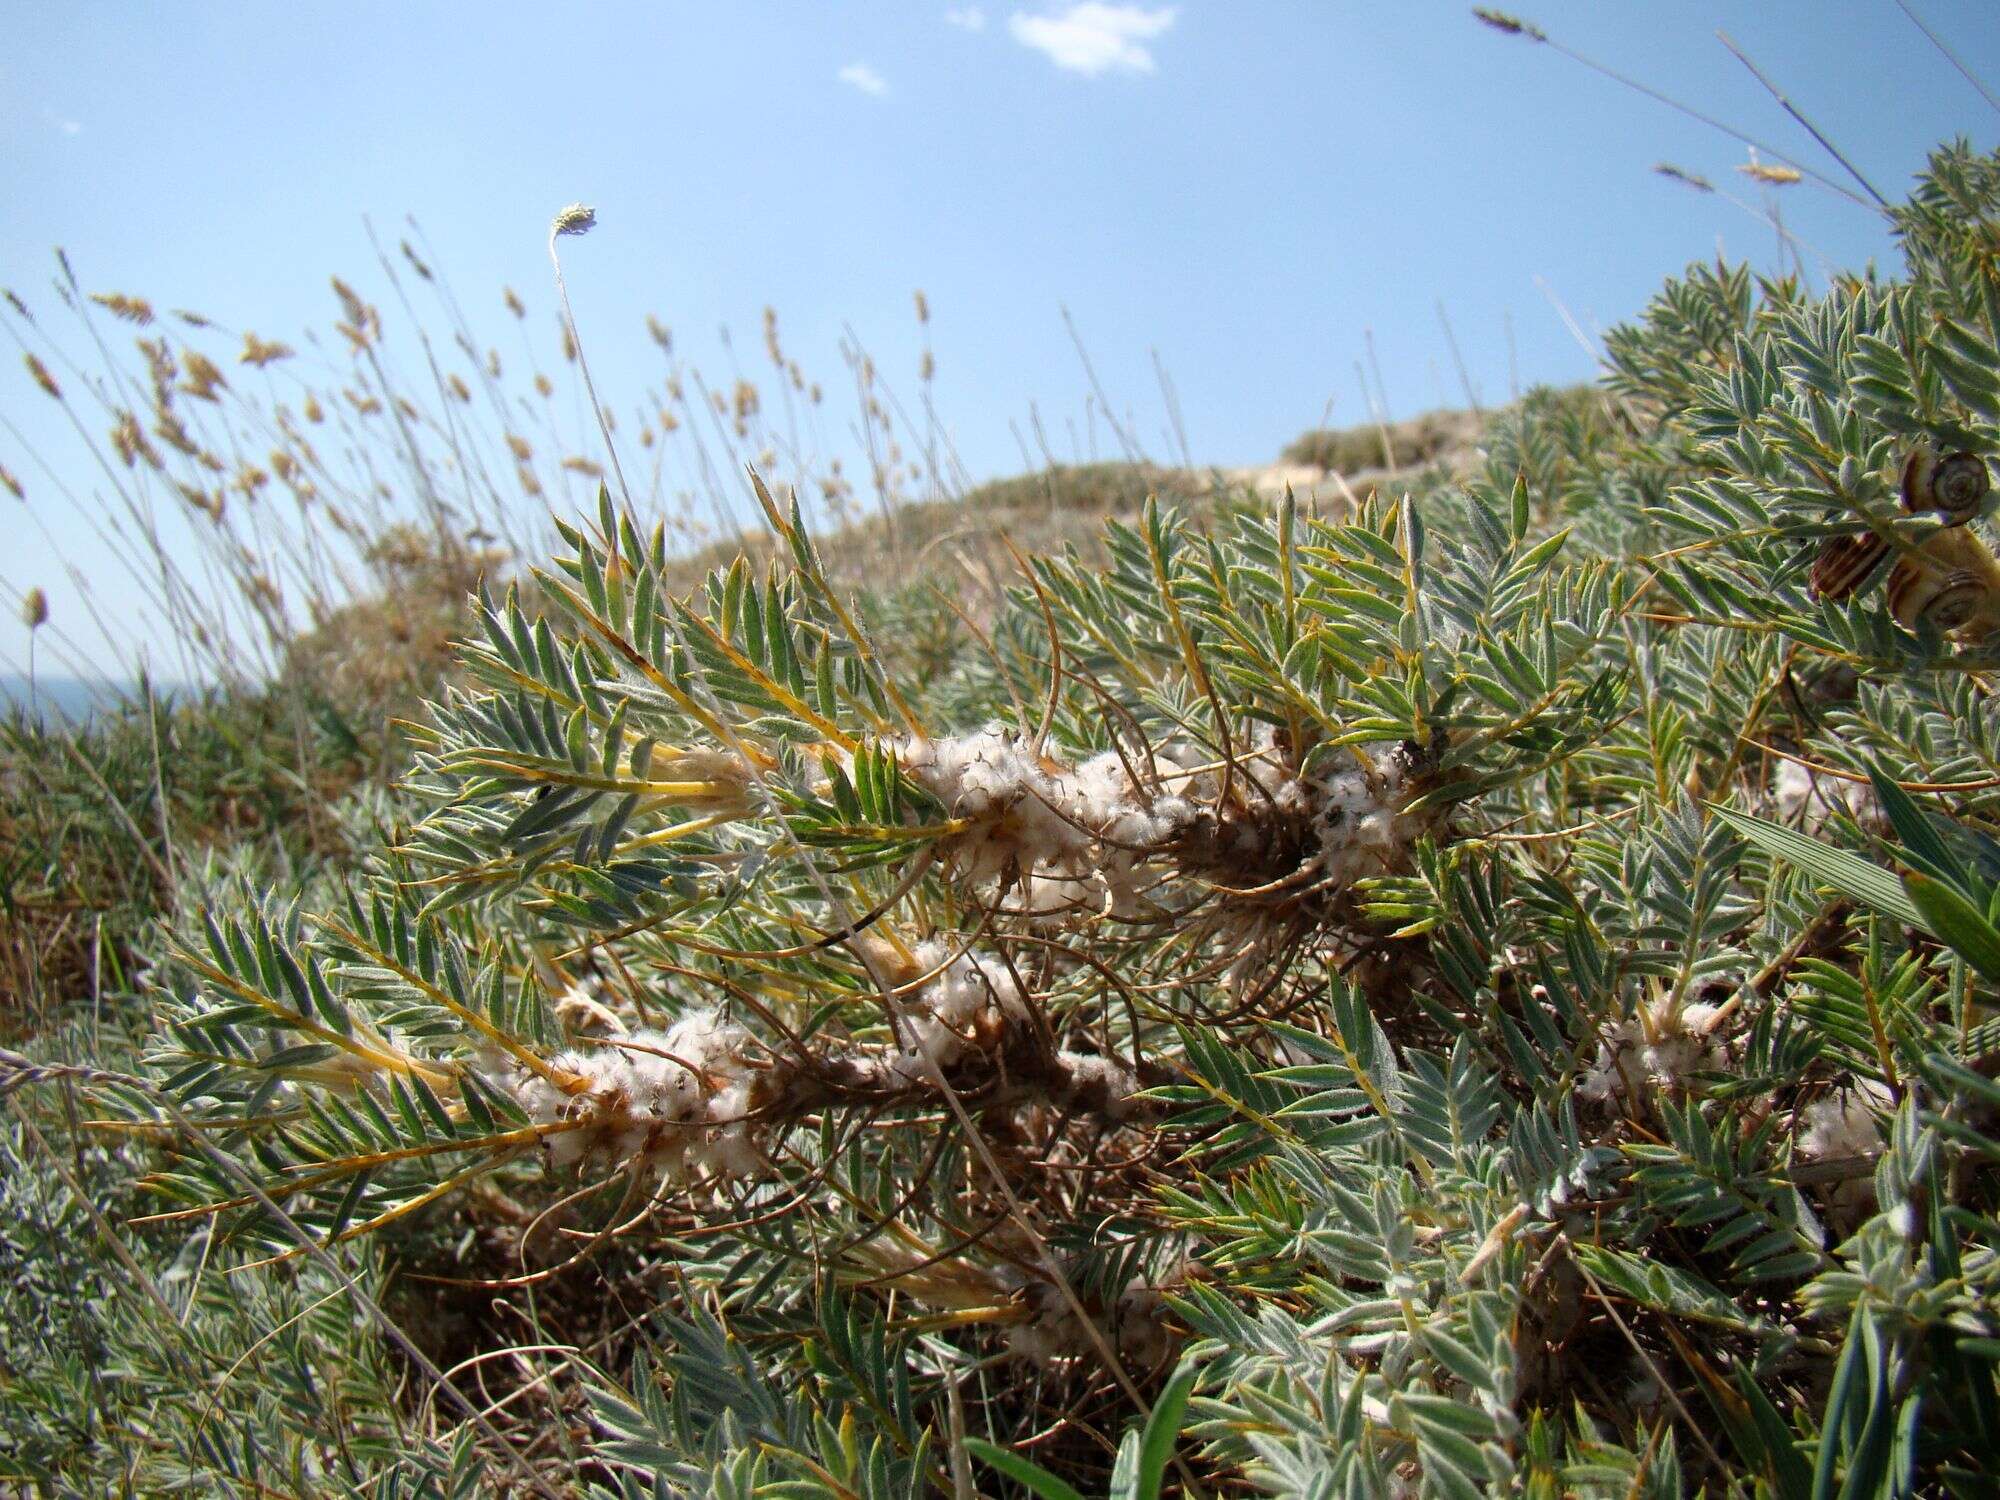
(73, 698)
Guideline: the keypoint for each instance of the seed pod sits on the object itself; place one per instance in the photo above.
(1948, 600)
(1954, 485)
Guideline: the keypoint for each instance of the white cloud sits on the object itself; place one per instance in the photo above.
(865, 78)
(66, 126)
(1092, 38)
(970, 18)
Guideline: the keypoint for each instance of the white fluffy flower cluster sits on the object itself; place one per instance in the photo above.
(1104, 1084)
(1349, 809)
(1844, 1124)
(1810, 800)
(1837, 1126)
(1079, 834)
(1659, 1044)
(1358, 815)
(1137, 1326)
(1093, 839)
(963, 1009)
(676, 1102)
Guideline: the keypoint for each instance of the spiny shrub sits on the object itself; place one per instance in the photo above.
(1492, 994)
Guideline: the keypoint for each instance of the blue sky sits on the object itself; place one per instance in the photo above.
(1245, 187)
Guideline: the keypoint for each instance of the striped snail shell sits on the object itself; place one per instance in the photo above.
(1947, 600)
(1843, 562)
(1952, 484)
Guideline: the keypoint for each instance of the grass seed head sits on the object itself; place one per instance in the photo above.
(262, 352)
(578, 218)
(43, 378)
(132, 309)
(1770, 174)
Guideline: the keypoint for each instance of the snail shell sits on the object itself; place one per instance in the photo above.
(1946, 599)
(1843, 562)
(1952, 484)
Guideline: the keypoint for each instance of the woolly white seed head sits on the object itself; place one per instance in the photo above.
(1049, 897)
(673, 1102)
(1038, 1343)
(1843, 1124)
(1100, 787)
(1805, 797)
(1137, 1324)
(1088, 1072)
(1140, 1326)
(1358, 813)
(1037, 818)
(1663, 1048)
(970, 994)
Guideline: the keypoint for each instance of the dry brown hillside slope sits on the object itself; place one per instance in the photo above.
(1068, 504)
(380, 656)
